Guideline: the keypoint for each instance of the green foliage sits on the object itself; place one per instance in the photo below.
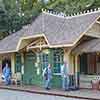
(73, 6)
(16, 13)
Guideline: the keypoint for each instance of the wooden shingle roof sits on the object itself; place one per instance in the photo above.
(87, 47)
(9, 43)
(66, 30)
(58, 30)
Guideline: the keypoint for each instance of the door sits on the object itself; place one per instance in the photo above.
(83, 64)
(32, 70)
(29, 68)
(42, 62)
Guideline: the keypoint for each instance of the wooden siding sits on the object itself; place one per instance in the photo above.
(94, 30)
(91, 63)
(24, 43)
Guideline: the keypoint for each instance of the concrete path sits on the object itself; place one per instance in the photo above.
(80, 94)
(16, 95)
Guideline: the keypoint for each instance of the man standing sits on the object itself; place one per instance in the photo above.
(47, 76)
(65, 76)
(7, 74)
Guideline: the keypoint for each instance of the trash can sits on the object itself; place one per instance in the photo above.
(95, 84)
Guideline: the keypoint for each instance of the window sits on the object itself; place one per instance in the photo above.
(88, 64)
(43, 59)
(83, 64)
(18, 63)
(57, 59)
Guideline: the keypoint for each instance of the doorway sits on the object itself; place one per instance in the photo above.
(4, 61)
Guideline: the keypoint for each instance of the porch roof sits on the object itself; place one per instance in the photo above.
(9, 43)
(89, 46)
(58, 30)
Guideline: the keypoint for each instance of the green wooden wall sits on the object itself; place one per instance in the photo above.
(18, 63)
(56, 81)
(31, 65)
(30, 76)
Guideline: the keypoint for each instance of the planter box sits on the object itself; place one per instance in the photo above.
(95, 84)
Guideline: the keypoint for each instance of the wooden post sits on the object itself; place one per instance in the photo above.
(70, 60)
(72, 70)
(13, 63)
(77, 71)
(67, 56)
(0, 67)
(22, 63)
(71, 64)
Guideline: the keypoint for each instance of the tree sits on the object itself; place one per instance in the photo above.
(21, 12)
(72, 6)
(16, 13)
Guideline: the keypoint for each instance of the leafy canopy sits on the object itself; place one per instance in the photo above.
(16, 13)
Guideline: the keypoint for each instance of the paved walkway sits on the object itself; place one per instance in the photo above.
(17, 95)
(82, 93)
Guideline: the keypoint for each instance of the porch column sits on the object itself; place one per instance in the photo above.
(72, 71)
(22, 61)
(0, 68)
(0, 64)
(67, 57)
(77, 71)
(13, 63)
(71, 64)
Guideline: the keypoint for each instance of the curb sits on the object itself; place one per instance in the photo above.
(46, 93)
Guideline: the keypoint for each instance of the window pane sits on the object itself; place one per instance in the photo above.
(57, 59)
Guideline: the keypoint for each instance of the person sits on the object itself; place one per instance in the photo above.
(65, 76)
(7, 74)
(47, 76)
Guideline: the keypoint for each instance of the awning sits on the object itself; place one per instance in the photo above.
(89, 46)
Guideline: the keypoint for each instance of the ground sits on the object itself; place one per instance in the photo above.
(16, 95)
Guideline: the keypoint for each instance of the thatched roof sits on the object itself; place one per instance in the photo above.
(58, 30)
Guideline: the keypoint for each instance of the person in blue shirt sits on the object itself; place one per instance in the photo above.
(7, 74)
(47, 76)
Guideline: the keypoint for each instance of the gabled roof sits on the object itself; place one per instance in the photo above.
(62, 30)
(57, 29)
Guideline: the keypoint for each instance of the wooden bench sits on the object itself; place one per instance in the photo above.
(16, 79)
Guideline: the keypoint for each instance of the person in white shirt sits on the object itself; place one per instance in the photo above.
(65, 76)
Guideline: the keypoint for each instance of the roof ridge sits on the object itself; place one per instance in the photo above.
(63, 15)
